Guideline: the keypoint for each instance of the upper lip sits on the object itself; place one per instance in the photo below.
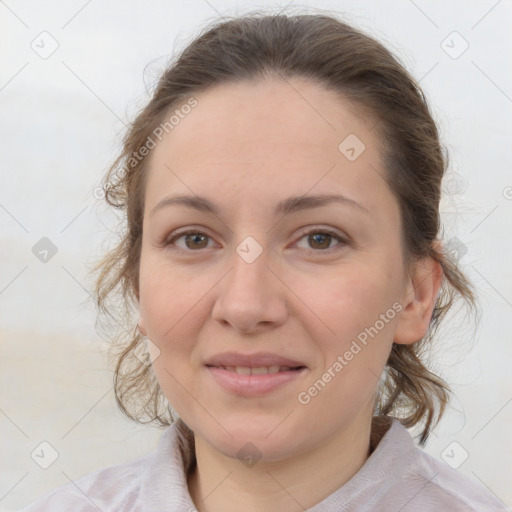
(262, 359)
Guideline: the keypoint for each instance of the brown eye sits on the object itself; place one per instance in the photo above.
(196, 240)
(193, 240)
(320, 240)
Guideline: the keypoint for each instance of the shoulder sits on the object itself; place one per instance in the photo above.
(112, 488)
(146, 483)
(433, 484)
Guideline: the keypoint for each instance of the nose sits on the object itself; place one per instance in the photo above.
(251, 298)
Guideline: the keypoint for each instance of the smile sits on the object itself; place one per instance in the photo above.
(255, 381)
(261, 370)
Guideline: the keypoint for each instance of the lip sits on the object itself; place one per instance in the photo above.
(252, 385)
(251, 360)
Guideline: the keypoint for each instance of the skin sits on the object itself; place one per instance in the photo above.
(246, 147)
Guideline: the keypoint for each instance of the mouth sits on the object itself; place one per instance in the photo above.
(259, 370)
(258, 361)
(253, 375)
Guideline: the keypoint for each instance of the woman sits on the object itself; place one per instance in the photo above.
(281, 192)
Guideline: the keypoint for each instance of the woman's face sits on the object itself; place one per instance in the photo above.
(275, 319)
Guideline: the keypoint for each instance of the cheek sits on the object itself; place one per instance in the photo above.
(354, 298)
(172, 309)
(357, 305)
(168, 296)
(355, 355)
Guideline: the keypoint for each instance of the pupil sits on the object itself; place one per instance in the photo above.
(195, 238)
(318, 236)
(322, 239)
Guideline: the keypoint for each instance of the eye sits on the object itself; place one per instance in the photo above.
(192, 239)
(320, 240)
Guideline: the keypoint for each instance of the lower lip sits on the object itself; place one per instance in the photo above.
(253, 385)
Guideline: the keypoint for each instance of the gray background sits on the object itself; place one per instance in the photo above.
(63, 116)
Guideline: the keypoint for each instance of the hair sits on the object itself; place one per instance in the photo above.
(343, 59)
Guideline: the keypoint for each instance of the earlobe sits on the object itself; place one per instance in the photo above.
(142, 329)
(419, 301)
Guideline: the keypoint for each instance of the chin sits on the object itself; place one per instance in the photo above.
(256, 450)
(265, 440)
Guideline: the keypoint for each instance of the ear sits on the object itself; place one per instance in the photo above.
(142, 329)
(418, 301)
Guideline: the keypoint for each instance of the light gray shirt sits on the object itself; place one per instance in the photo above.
(397, 477)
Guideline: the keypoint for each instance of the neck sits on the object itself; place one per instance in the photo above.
(222, 483)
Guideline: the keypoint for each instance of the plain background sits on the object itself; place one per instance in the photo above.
(62, 118)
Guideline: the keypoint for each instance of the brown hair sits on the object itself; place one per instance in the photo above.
(334, 54)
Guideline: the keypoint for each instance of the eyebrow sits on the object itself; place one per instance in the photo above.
(287, 206)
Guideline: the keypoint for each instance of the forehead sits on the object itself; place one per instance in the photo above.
(266, 138)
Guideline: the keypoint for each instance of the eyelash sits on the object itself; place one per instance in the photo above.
(316, 231)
